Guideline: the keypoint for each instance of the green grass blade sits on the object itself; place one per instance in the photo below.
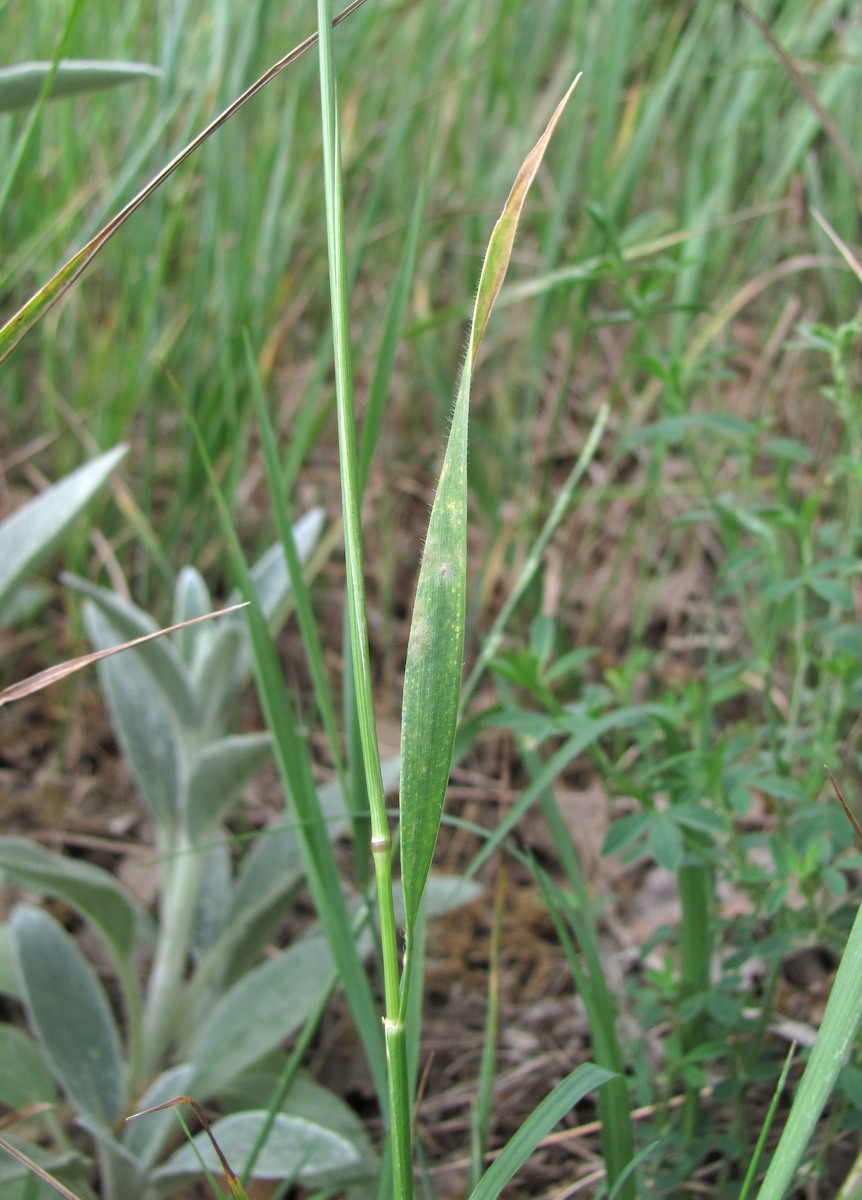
(435, 651)
(32, 312)
(291, 752)
(433, 671)
(347, 432)
(538, 1125)
(750, 1174)
(360, 656)
(570, 910)
(304, 613)
(838, 1028)
(482, 1108)
(592, 985)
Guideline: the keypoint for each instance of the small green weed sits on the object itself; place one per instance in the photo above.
(722, 773)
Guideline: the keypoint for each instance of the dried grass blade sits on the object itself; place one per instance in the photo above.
(28, 1162)
(35, 683)
(840, 245)
(503, 236)
(237, 1191)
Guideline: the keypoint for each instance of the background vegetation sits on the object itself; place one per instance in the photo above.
(686, 655)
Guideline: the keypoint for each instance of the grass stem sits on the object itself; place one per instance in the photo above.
(381, 839)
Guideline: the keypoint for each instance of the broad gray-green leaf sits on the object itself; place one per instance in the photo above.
(68, 1010)
(296, 1150)
(263, 889)
(212, 903)
(24, 1077)
(266, 1006)
(270, 578)
(435, 652)
(24, 604)
(38, 528)
(273, 865)
(191, 599)
(270, 575)
(211, 650)
(123, 621)
(26, 1187)
(93, 891)
(309, 1100)
(120, 1173)
(217, 671)
(146, 725)
(8, 977)
(21, 85)
(218, 773)
(145, 1137)
(272, 870)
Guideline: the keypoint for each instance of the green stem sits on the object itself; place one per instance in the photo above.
(695, 883)
(399, 1107)
(183, 870)
(381, 840)
(800, 640)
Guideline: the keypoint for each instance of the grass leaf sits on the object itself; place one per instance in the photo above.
(435, 651)
(586, 1078)
(837, 1031)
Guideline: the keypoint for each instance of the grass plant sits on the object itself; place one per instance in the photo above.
(274, 211)
(613, 446)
